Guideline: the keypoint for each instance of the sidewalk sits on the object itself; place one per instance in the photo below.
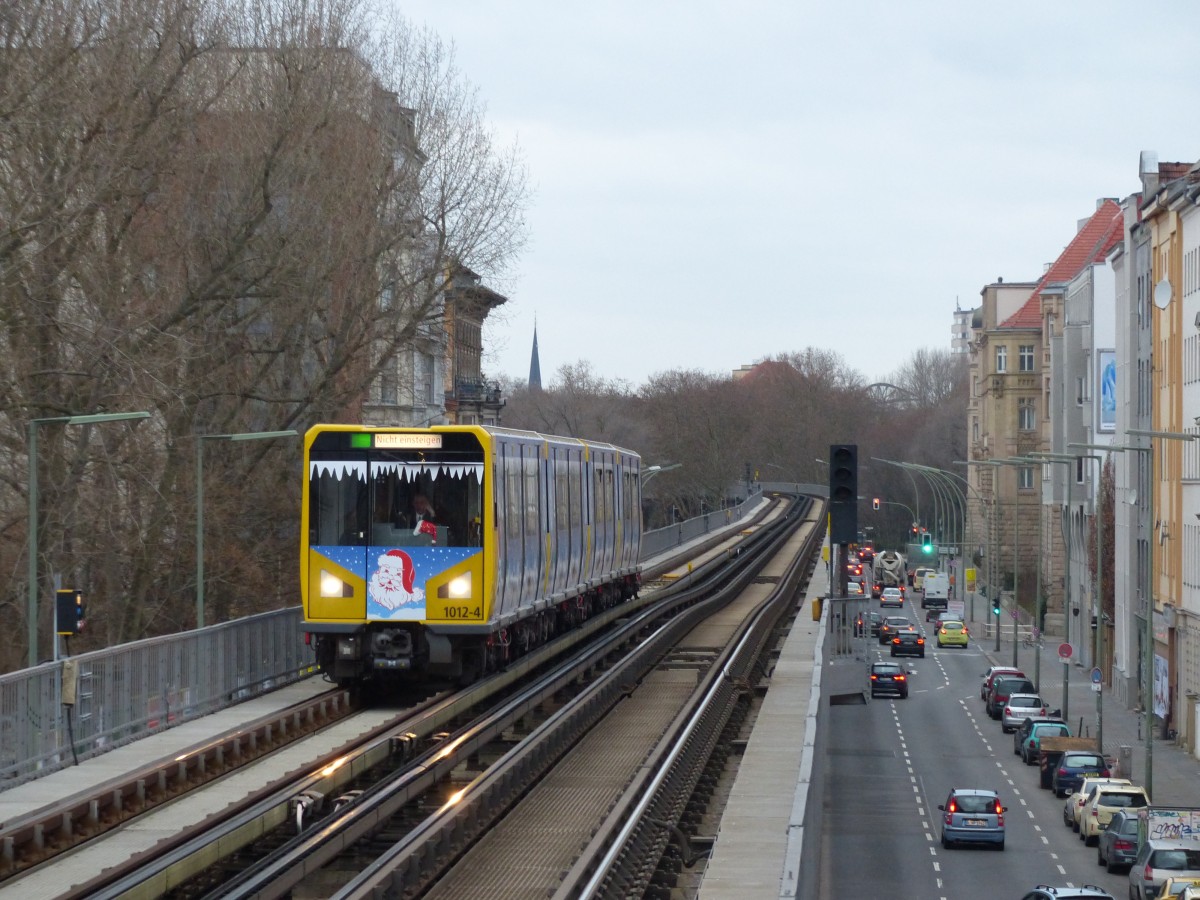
(1176, 772)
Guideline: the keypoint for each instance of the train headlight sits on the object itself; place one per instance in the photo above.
(332, 586)
(457, 588)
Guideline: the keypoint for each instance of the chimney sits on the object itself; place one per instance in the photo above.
(1148, 172)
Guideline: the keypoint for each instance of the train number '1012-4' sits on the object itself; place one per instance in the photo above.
(458, 611)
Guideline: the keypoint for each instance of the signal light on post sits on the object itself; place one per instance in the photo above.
(927, 542)
(843, 493)
(69, 612)
(996, 607)
(875, 504)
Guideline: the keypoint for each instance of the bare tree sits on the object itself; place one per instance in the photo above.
(204, 207)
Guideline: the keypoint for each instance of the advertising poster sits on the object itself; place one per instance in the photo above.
(1107, 374)
(1161, 686)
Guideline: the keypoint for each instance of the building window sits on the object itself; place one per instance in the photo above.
(1025, 478)
(388, 388)
(1001, 358)
(1026, 414)
(1026, 357)
(975, 431)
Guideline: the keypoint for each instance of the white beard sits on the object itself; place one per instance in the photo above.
(387, 589)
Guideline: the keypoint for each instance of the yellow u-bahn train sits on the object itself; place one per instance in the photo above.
(450, 550)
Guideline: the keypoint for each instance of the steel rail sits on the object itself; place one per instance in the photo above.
(618, 860)
(419, 858)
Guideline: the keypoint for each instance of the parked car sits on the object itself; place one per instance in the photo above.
(908, 642)
(1073, 767)
(891, 597)
(889, 678)
(991, 674)
(1073, 808)
(972, 815)
(1021, 707)
(890, 625)
(1100, 804)
(952, 633)
(1027, 739)
(1003, 688)
(1174, 887)
(1157, 861)
(1117, 846)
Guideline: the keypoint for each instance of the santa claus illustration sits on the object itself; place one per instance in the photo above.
(391, 584)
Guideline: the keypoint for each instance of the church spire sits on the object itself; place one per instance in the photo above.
(535, 367)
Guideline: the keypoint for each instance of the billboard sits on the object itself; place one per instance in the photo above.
(1106, 373)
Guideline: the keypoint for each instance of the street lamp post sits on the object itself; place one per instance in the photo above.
(1022, 462)
(1148, 653)
(1069, 461)
(993, 533)
(1148, 636)
(985, 506)
(650, 471)
(200, 439)
(31, 610)
(916, 493)
(1099, 593)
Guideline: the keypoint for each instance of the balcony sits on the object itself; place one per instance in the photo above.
(470, 390)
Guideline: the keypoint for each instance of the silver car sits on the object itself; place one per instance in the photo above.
(1021, 707)
(1159, 860)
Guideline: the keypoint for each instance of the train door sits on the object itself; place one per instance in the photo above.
(532, 530)
(576, 516)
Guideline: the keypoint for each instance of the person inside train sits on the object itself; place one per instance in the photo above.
(423, 510)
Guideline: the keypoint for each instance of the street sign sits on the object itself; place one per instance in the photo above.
(1014, 613)
(1097, 675)
(1064, 652)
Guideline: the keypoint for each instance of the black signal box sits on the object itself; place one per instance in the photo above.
(843, 493)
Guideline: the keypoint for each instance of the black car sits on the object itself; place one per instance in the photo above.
(908, 642)
(1002, 689)
(1118, 843)
(889, 678)
(867, 622)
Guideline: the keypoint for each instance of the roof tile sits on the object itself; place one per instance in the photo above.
(1090, 244)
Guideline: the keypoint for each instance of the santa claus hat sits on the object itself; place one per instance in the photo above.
(408, 572)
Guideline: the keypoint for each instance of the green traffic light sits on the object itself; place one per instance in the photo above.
(928, 548)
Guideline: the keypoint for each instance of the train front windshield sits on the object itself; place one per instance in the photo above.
(395, 490)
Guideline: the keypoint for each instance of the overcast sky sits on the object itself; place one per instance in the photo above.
(716, 182)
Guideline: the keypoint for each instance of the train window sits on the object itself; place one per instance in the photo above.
(397, 497)
(337, 501)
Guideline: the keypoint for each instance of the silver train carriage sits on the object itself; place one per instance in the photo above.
(453, 549)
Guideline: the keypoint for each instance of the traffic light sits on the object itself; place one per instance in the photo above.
(843, 493)
(996, 607)
(927, 542)
(875, 504)
(69, 611)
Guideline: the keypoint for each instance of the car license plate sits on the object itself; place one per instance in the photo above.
(975, 822)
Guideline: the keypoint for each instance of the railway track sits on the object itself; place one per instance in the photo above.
(451, 759)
